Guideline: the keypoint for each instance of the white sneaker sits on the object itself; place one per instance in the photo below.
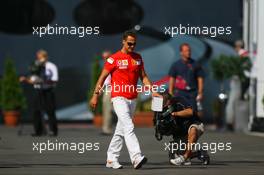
(139, 162)
(180, 161)
(114, 165)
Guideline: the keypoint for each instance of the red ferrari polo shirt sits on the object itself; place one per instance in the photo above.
(125, 70)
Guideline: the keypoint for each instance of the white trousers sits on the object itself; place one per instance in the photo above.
(124, 109)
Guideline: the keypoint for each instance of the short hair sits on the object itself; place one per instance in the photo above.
(129, 33)
(43, 53)
(184, 44)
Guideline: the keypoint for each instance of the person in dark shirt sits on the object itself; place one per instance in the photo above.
(186, 82)
(179, 119)
(187, 77)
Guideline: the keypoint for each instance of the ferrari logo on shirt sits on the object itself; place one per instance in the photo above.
(119, 63)
(135, 62)
(124, 62)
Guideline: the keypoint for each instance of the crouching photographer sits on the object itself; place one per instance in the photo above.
(43, 77)
(179, 120)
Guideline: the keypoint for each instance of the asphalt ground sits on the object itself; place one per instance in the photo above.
(20, 154)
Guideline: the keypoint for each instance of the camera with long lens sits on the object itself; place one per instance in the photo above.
(165, 123)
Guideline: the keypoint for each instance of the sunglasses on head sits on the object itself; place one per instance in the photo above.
(131, 44)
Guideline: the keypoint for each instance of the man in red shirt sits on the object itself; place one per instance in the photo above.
(125, 67)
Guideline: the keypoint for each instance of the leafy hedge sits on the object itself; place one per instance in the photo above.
(95, 73)
(224, 67)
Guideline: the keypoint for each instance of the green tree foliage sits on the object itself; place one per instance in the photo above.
(12, 95)
(224, 67)
(95, 73)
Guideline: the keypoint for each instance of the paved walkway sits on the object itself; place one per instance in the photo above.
(17, 155)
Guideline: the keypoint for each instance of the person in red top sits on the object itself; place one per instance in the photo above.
(125, 67)
(125, 70)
